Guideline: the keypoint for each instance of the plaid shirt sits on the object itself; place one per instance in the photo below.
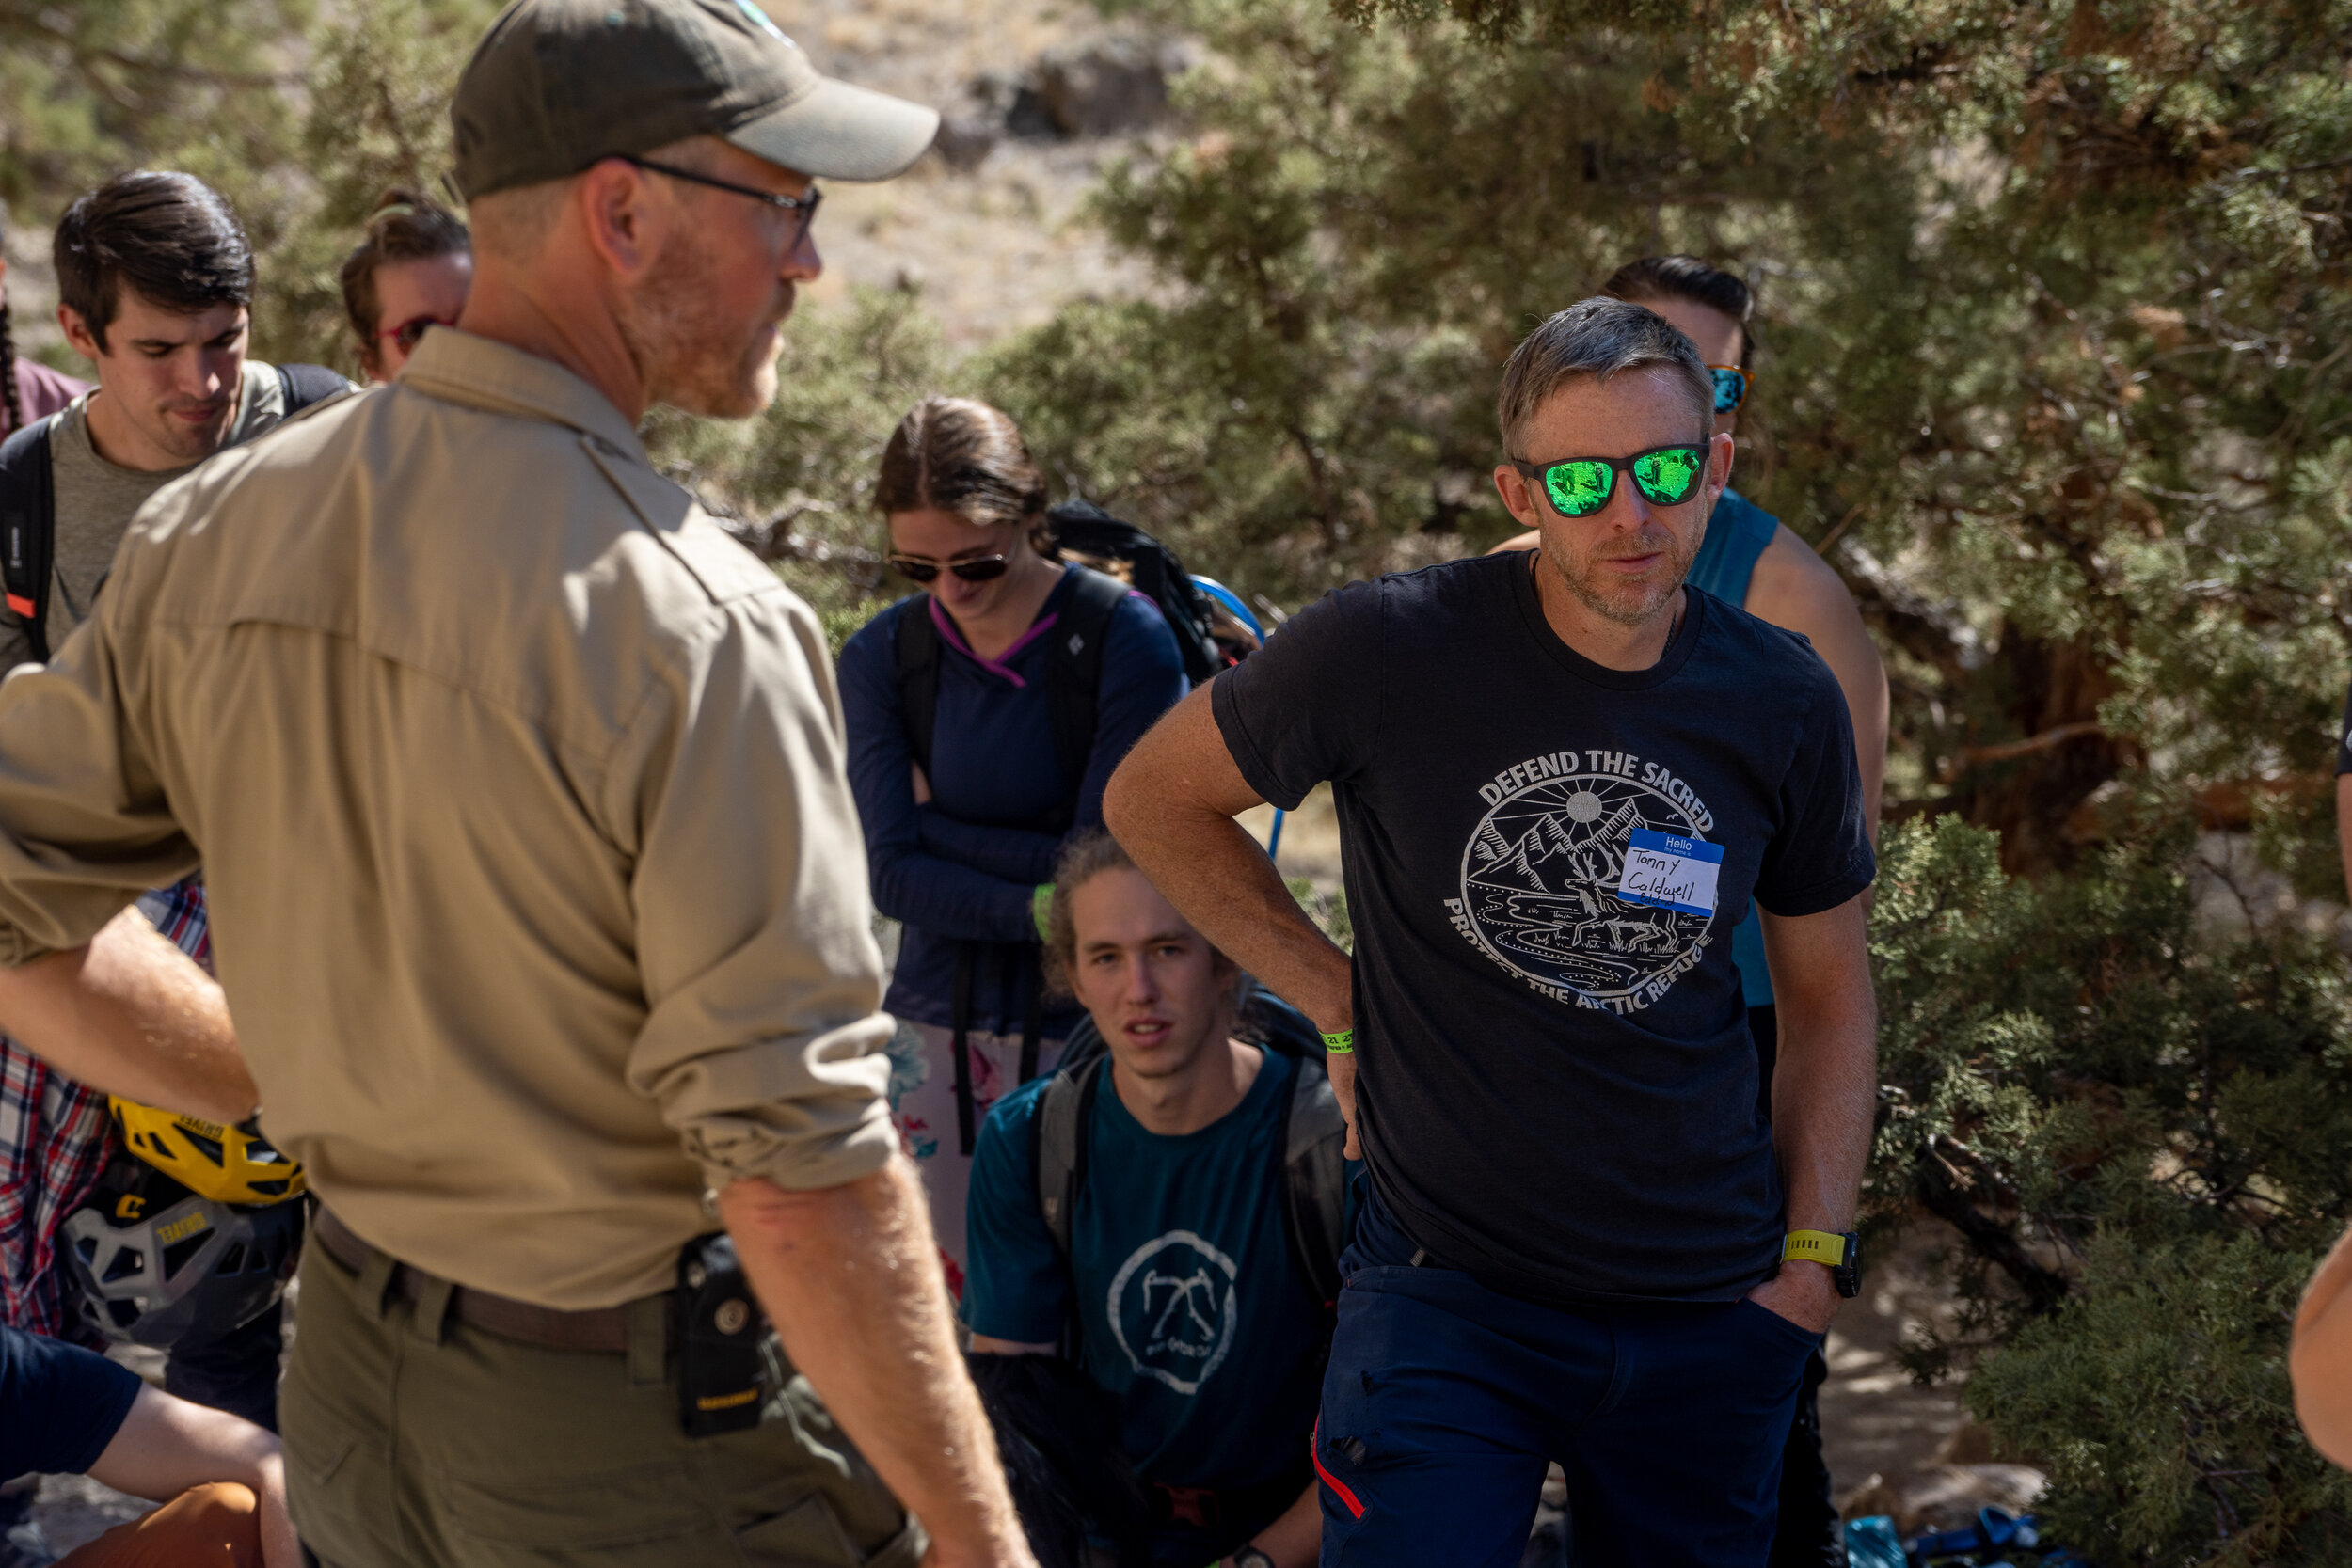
(54, 1140)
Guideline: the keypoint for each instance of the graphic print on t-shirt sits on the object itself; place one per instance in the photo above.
(1172, 1309)
(1541, 878)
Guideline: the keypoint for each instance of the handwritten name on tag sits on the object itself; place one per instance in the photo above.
(1671, 873)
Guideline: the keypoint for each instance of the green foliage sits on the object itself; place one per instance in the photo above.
(2141, 1143)
(2159, 1400)
(2051, 305)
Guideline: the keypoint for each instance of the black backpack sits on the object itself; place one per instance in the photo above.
(1313, 1140)
(28, 504)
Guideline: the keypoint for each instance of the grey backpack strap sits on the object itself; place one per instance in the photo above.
(1062, 1112)
(1314, 1167)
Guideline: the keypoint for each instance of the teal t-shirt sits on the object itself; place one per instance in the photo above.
(1192, 1313)
(1736, 531)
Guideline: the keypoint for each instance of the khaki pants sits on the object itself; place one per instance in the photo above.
(414, 1440)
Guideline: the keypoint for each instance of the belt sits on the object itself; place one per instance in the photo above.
(602, 1328)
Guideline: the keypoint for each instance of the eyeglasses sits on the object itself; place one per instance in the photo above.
(806, 205)
(409, 333)
(1579, 486)
(1731, 387)
(977, 568)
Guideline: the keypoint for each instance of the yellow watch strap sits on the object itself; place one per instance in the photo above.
(1814, 1246)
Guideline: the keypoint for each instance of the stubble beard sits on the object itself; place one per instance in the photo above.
(692, 357)
(194, 445)
(1629, 604)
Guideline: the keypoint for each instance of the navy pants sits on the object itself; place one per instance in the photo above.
(1445, 1401)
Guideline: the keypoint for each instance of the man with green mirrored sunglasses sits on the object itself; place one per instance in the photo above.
(1563, 778)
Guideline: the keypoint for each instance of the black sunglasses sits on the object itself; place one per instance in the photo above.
(805, 205)
(978, 568)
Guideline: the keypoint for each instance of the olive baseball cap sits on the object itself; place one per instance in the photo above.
(556, 85)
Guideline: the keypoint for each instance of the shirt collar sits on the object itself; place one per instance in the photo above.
(485, 374)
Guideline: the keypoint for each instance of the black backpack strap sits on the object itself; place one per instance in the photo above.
(1314, 1182)
(1075, 671)
(29, 529)
(304, 384)
(916, 644)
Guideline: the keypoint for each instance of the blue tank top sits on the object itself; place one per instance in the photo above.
(1736, 531)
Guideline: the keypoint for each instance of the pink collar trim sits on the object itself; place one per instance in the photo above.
(999, 665)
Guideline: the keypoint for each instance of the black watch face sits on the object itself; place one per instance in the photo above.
(1848, 1274)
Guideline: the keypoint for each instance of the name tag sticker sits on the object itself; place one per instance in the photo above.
(1671, 873)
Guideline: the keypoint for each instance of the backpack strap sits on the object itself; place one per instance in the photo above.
(29, 529)
(304, 384)
(916, 641)
(1064, 1109)
(1314, 1182)
(1074, 673)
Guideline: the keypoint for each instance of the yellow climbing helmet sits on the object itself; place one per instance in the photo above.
(219, 1162)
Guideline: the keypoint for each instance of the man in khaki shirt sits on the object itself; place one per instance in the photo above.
(536, 886)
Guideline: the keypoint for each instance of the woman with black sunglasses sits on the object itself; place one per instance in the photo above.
(985, 716)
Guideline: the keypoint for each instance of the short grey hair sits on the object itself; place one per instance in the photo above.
(1598, 337)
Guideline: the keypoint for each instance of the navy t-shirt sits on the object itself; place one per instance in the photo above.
(1544, 858)
(60, 1405)
(1192, 1313)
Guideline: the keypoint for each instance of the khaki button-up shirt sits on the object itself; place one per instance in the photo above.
(537, 892)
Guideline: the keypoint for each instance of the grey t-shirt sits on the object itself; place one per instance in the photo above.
(96, 500)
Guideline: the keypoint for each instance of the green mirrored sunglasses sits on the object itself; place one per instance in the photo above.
(1579, 486)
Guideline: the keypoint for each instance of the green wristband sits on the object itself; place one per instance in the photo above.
(1341, 1044)
(1042, 910)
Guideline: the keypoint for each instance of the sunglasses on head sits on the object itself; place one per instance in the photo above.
(1731, 387)
(409, 333)
(978, 568)
(1579, 486)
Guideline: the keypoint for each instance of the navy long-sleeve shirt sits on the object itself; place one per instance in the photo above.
(964, 866)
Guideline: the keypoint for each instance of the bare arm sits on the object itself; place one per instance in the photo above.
(851, 1279)
(1796, 589)
(987, 1344)
(1825, 1089)
(131, 1014)
(1172, 806)
(2321, 1360)
(165, 1445)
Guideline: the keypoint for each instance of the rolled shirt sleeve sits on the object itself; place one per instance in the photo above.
(762, 1045)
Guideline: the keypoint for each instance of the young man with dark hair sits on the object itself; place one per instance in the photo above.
(156, 288)
(1172, 1274)
(1562, 776)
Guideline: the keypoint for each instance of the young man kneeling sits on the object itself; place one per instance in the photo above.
(1181, 1243)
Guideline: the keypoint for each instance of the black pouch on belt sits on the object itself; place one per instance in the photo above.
(722, 1374)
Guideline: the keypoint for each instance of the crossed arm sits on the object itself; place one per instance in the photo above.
(131, 1014)
(166, 1446)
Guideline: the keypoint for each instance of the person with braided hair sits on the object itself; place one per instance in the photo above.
(29, 390)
